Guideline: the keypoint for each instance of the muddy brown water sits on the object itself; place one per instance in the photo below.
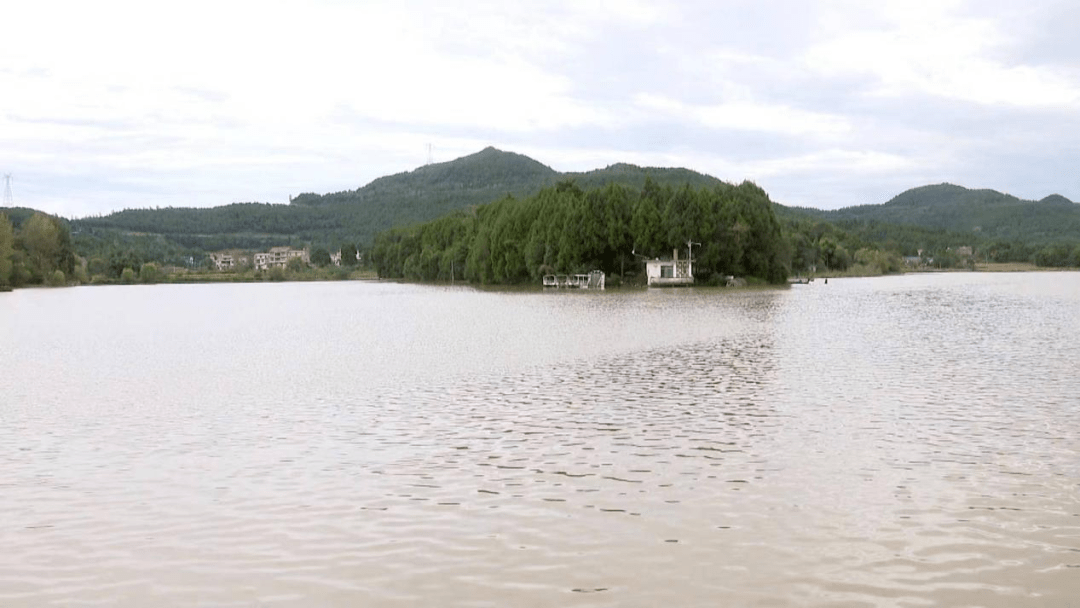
(898, 441)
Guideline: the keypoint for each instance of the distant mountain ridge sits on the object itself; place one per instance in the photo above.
(486, 176)
(988, 214)
(410, 197)
(433, 191)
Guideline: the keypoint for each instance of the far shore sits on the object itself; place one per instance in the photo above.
(857, 271)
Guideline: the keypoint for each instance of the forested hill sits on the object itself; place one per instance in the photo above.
(356, 216)
(985, 214)
(930, 218)
(474, 179)
(489, 175)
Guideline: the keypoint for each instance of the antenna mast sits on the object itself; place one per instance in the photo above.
(430, 158)
(9, 200)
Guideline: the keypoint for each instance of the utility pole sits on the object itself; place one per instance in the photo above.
(690, 259)
(690, 247)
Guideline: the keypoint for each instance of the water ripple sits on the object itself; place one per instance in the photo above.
(897, 442)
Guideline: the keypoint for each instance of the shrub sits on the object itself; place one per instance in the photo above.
(149, 273)
(296, 265)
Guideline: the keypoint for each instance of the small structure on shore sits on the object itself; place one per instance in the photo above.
(670, 272)
(593, 280)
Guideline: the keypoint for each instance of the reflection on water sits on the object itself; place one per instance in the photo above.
(904, 441)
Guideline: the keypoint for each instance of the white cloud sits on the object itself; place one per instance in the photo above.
(929, 48)
(749, 116)
(213, 101)
(831, 161)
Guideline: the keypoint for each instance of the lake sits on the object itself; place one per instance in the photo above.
(894, 441)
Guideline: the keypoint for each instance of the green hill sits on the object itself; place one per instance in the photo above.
(17, 215)
(473, 179)
(929, 218)
(985, 214)
(356, 216)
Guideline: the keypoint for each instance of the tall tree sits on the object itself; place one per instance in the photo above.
(7, 249)
(320, 257)
(41, 239)
(348, 254)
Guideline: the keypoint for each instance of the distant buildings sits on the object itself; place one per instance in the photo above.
(229, 259)
(277, 256)
(280, 256)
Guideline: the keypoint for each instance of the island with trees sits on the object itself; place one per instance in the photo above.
(564, 229)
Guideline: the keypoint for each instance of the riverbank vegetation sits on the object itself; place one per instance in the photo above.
(36, 250)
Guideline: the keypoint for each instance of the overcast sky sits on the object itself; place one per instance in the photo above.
(108, 105)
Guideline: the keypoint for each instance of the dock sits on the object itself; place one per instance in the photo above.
(593, 280)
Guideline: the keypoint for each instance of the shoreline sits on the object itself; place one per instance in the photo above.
(199, 278)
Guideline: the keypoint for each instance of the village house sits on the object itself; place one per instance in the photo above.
(279, 257)
(229, 259)
(669, 272)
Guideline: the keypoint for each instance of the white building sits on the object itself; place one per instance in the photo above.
(280, 256)
(669, 272)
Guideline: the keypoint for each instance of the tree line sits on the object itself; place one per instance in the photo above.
(564, 229)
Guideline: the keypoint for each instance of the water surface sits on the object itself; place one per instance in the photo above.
(901, 441)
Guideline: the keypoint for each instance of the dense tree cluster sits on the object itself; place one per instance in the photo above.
(108, 252)
(936, 244)
(1058, 256)
(564, 229)
(39, 251)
